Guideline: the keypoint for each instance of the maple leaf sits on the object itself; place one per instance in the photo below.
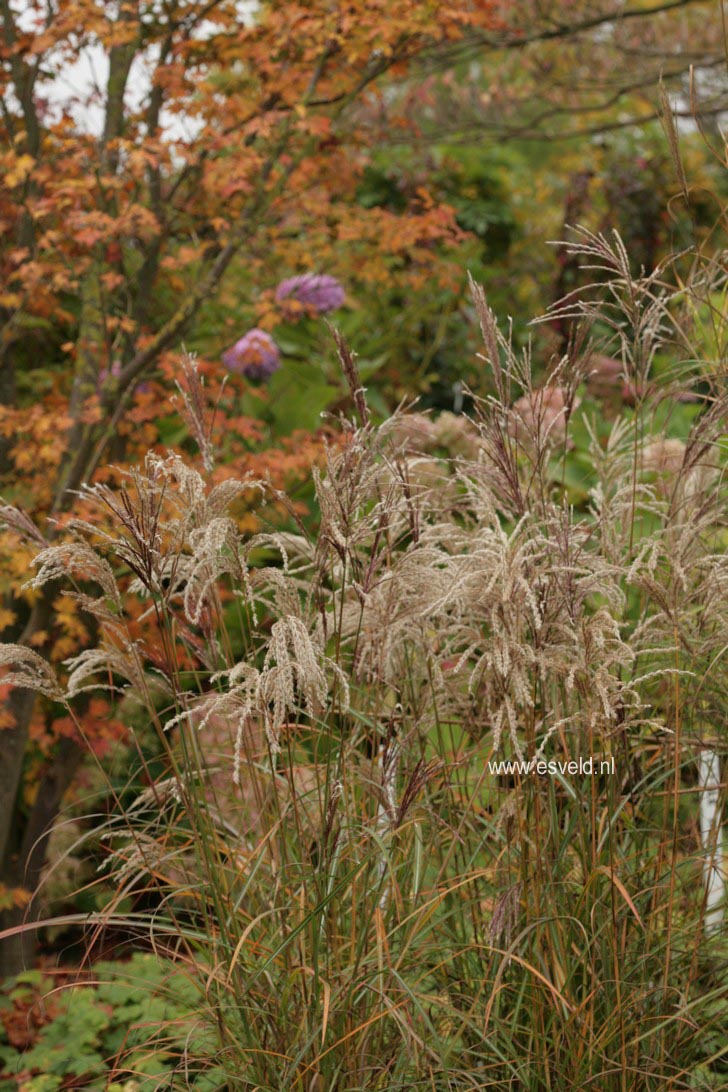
(12, 897)
(7, 617)
(17, 168)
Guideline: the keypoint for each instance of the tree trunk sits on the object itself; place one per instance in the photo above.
(25, 867)
(7, 398)
(21, 843)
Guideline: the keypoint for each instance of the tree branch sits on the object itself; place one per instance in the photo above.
(90, 450)
(508, 41)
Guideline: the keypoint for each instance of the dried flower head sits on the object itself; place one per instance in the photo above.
(413, 432)
(607, 380)
(422, 479)
(194, 409)
(605, 374)
(457, 433)
(505, 915)
(15, 520)
(255, 355)
(317, 292)
(30, 671)
(664, 457)
(541, 415)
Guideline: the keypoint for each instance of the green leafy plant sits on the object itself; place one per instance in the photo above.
(137, 1020)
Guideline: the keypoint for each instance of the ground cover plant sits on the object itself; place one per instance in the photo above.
(323, 848)
(141, 1017)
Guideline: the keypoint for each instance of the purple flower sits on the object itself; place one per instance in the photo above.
(104, 374)
(318, 291)
(255, 355)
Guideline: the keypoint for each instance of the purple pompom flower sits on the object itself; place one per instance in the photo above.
(318, 291)
(255, 355)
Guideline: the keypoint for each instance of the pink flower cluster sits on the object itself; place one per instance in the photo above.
(318, 292)
(255, 355)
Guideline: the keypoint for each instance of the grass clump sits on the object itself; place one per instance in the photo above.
(366, 905)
